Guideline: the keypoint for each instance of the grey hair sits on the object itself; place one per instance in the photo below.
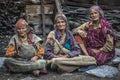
(60, 15)
(97, 8)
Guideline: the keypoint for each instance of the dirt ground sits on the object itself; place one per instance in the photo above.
(53, 76)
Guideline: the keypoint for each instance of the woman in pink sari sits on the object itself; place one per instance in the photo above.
(96, 37)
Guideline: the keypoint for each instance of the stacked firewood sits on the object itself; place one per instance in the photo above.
(80, 15)
(10, 11)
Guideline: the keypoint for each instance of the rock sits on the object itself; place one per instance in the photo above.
(67, 74)
(116, 60)
(104, 71)
(27, 78)
(119, 66)
(117, 52)
(73, 24)
(2, 61)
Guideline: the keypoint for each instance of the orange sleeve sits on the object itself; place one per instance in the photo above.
(40, 52)
(79, 39)
(10, 51)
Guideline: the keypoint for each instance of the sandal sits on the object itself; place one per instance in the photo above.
(43, 71)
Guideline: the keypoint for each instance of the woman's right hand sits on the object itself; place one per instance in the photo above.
(61, 56)
(33, 59)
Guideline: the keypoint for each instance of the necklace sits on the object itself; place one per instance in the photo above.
(96, 26)
(24, 38)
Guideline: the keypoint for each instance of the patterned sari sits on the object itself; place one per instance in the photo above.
(96, 39)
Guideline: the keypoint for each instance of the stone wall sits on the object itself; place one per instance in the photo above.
(108, 4)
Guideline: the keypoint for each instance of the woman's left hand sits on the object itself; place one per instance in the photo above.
(96, 51)
(65, 56)
(33, 59)
(62, 56)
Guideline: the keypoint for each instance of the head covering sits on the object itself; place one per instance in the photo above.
(97, 8)
(104, 23)
(20, 23)
(60, 15)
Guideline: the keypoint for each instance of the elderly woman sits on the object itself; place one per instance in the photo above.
(61, 50)
(25, 52)
(96, 37)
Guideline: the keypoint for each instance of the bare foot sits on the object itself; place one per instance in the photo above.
(36, 72)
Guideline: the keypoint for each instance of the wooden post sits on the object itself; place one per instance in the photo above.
(95, 2)
(58, 5)
(43, 18)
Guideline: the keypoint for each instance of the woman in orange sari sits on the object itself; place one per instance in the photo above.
(25, 52)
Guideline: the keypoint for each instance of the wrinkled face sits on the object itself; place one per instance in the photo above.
(22, 31)
(94, 15)
(61, 24)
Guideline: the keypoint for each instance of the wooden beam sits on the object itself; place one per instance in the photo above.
(43, 18)
(58, 5)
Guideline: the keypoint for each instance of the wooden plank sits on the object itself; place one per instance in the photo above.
(32, 13)
(48, 8)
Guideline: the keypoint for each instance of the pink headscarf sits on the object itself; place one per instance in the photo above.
(97, 8)
(103, 21)
(21, 22)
